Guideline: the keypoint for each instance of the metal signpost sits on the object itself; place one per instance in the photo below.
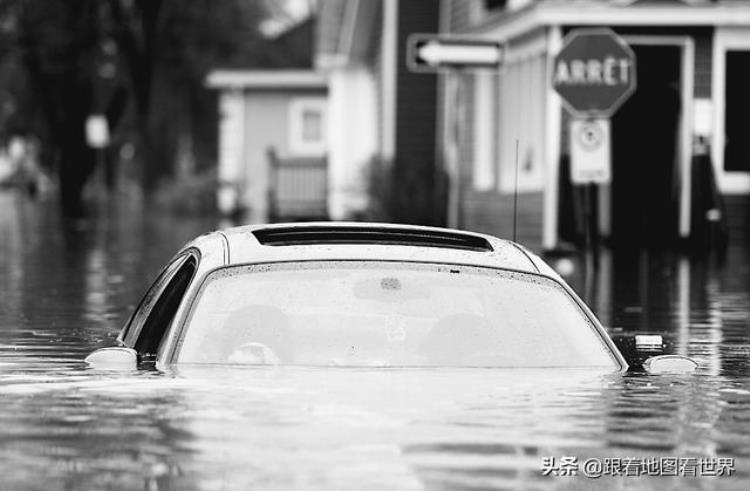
(594, 73)
(432, 53)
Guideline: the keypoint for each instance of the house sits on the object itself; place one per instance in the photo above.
(478, 127)
(273, 133)
(380, 115)
(691, 98)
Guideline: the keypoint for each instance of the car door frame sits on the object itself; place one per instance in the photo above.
(133, 330)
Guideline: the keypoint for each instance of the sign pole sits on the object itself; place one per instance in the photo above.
(591, 261)
(594, 73)
(591, 164)
(592, 228)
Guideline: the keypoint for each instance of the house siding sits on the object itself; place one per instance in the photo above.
(459, 12)
(492, 213)
(327, 32)
(416, 92)
(374, 59)
(465, 126)
(703, 63)
(416, 112)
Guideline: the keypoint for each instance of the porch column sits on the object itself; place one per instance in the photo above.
(552, 128)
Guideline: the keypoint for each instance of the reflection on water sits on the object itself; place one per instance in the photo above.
(700, 308)
(67, 289)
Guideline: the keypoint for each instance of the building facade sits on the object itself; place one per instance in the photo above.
(690, 100)
(380, 113)
(272, 143)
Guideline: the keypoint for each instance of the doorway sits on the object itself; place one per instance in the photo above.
(645, 199)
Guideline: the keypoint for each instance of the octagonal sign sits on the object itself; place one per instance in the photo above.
(594, 72)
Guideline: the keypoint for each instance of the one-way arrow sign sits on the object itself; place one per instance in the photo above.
(430, 53)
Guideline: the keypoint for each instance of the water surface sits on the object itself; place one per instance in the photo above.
(66, 289)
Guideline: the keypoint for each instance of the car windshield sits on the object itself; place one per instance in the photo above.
(387, 314)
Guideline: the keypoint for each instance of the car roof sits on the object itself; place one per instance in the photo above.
(306, 241)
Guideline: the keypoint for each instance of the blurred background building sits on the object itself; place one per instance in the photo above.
(272, 135)
(690, 97)
(306, 109)
(689, 102)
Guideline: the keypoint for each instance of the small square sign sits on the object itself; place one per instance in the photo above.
(590, 154)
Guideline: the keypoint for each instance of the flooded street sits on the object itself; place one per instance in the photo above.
(66, 289)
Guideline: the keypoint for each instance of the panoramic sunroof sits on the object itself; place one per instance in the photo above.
(309, 235)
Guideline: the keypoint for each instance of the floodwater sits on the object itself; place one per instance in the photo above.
(65, 289)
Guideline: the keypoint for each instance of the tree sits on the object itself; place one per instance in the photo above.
(191, 38)
(85, 57)
(58, 42)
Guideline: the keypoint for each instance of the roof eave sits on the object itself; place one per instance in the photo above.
(265, 79)
(507, 26)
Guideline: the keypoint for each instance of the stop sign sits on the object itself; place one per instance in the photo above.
(594, 72)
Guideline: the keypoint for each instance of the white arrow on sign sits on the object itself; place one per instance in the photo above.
(429, 53)
(436, 53)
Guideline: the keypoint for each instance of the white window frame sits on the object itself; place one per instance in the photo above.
(298, 146)
(725, 39)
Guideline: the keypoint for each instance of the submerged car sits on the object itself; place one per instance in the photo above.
(360, 295)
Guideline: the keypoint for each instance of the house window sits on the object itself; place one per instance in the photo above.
(307, 127)
(737, 145)
(312, 125)
(494, 4)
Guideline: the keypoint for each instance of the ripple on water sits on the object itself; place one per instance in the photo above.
(67, 291)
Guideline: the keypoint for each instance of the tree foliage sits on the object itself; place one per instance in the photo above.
(139, 62)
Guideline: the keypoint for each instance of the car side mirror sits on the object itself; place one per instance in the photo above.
(114, 358)
(670, 364)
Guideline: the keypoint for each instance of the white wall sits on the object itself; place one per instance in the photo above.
(352, 138)
(521, 109)
(266, 125)
(251, 123)
(231, 149)
(485, 92)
